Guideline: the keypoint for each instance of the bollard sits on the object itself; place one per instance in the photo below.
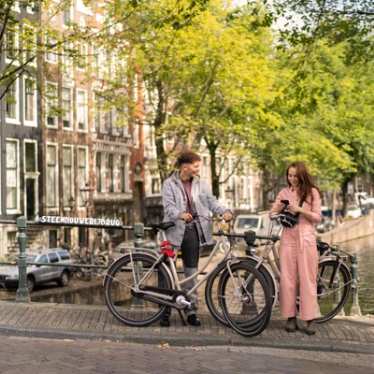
(22, 294)
(138, 243)
(355, 309)
(138, 235)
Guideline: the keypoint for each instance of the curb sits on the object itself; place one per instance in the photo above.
(181, 341)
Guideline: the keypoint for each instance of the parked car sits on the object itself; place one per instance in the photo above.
(354, 212)
(38, 274)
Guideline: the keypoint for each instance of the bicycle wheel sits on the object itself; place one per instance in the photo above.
(119, 283)
(333, 287)
(213, 285)
(245, 299)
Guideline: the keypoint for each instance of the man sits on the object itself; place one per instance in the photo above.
(188, 202)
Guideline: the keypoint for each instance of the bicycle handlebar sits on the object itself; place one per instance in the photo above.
(273, 238)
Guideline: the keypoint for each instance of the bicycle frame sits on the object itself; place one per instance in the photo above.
(171, 268)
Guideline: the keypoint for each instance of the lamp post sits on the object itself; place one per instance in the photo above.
(85, 196)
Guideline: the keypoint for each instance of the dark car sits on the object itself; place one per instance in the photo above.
(41, 272)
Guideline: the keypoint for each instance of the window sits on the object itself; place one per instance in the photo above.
(82, 110)
(107, 121)
(98, 172)
(30, 101)
(30, 157)
(64, 255)
(52, 238)
(11, 43)
(12, 174)
(98, 112)
(67, 122)
(42, 259)
(82, 174)
(51, 95)
(155, 186)
(29, 41)
(52, 179)
(67, 60)
(67, 14)
(110, 172)
(122, 171)
(82, 56)
(12, 104)
(53, 257)
(67, 175)
(51, 46)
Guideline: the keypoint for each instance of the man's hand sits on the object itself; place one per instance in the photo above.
(227, 216)
(187, 217)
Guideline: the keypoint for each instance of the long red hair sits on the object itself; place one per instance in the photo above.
(305, 180)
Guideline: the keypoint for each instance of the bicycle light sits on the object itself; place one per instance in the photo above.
(167, 249)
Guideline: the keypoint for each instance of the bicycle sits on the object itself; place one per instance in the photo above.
(334, 279)
(134, 296)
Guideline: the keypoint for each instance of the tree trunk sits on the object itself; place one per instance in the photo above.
(265, 188)
(212, 147)
(157, 123)
(344, 189)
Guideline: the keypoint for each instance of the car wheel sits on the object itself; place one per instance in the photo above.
(30, 283)
(64, 279)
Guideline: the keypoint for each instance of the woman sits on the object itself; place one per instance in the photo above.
(298, 249)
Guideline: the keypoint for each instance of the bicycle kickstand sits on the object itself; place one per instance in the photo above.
(184, 323)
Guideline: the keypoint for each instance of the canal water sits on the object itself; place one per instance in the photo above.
(364, 249)
(91, 293)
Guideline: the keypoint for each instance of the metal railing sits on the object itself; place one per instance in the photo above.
(22, 293)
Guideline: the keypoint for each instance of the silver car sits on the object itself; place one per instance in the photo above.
(38, 274)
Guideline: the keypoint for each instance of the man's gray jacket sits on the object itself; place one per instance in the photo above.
(174, 201)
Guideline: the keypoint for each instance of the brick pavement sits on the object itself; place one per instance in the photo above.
(22, 355)
(95, 322)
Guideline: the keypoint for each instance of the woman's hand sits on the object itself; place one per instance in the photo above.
(294, 209)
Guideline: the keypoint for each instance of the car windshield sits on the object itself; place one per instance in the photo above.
(246, 223)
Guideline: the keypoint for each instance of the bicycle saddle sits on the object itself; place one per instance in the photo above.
(162, 226)
(250, 237)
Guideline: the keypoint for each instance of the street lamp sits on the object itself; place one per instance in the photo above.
(85, 196)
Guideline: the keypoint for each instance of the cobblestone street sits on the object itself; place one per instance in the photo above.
(21, 355)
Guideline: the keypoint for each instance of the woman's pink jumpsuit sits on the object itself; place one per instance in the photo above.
(299, 258)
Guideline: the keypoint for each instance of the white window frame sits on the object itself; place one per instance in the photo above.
(55, 145)
(72, 171)
(71, 112)
(51, 40)
(78, 90)
(102, 175)
(34, 51)
(83, 51)
(67, 63)
(16, 46)
(29, 141)
(33, 123)
(55, 84)
(69, 9)
(18, 174)
(15, 121)
(80, 147)
(31, 175)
